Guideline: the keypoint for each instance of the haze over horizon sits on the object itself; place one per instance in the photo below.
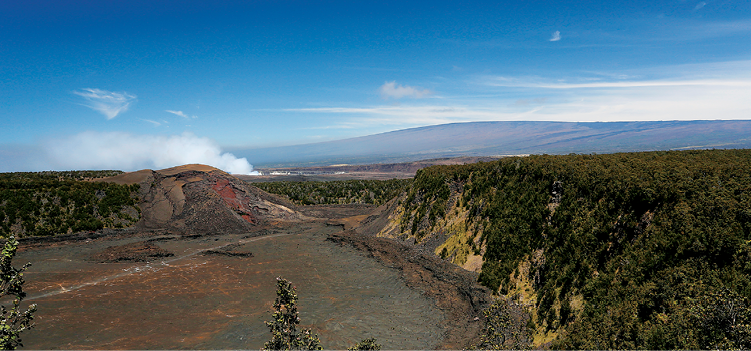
(153, 84)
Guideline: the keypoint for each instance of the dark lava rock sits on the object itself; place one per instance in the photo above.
(229, 250)
(134, 252)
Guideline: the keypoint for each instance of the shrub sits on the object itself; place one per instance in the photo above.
(285, 320)
(13, 322)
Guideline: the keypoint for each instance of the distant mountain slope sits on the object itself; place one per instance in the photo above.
(505, 138)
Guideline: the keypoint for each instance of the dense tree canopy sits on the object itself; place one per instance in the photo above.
(630, 250)
(374, 192)
(50, 203)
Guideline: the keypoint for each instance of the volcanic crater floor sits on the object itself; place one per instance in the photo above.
(193, 299)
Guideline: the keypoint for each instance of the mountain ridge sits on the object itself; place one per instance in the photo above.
(509, 138)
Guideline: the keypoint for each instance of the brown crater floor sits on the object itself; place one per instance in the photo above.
(197, 301)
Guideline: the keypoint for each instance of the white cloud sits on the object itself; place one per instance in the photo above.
(124, 151)
(108, 103)
(398, 91)
(641, 103)
(685, 92)
(556, 36)
(700, 5)
(181, 114)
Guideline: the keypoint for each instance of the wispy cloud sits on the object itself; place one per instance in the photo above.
(640, 103)
(117, 150)
(504, 82)
(155, 123)
(700, 5)
(417, 115)
(108, 103)
(686, 92)
(181, 114)
(556, 36)
(398, 91)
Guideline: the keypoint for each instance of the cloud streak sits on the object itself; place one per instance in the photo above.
(629, 84)
(556, 36)
(418, 115)
(181, 114)
(124, 151)
(155, 123)
(108, 103)
(652, 103)
(686, 92)
(398, 91)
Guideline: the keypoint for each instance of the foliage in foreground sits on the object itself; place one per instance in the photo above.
(366, 344)
(283, 327)
(15, 320)
(632, 250)
(500, 332)
(50, 203)
(375, 192)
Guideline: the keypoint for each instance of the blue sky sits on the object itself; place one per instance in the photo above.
(112, 82)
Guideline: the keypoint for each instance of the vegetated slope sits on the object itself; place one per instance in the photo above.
(630, 250)
(374, 192)
(50, 203)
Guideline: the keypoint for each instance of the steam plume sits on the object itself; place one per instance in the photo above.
(117, 150)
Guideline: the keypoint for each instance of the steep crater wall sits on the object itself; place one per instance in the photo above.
(604, 251)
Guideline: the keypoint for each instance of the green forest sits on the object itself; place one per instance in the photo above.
(375, 192)
(618, 251)
(52, 203)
